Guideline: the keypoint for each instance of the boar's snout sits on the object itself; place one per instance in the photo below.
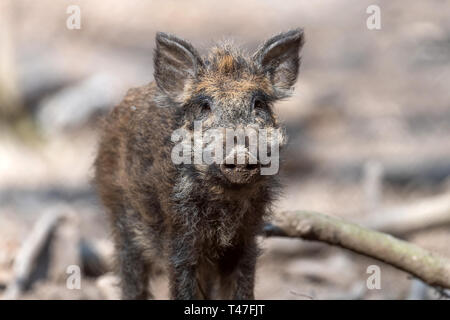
(240, 167)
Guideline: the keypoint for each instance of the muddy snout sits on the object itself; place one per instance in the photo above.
(240, 166)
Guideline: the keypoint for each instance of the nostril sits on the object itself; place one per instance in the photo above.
(229, 165)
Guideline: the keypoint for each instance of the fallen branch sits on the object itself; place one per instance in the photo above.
(431, 268)
(26, 261)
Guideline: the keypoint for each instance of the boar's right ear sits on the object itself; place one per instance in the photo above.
(279, 58)
(176, 61)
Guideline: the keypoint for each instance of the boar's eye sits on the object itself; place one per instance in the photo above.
(206, 106)
(258, 104)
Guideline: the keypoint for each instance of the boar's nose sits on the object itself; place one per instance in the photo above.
(240, 169)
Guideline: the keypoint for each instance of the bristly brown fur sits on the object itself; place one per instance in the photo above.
(189, 218)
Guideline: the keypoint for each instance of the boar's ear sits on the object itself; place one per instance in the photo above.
(176, 61)
(279, 58)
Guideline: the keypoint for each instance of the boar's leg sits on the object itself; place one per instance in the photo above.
(237, 272)
(133, 270)
(183, 268)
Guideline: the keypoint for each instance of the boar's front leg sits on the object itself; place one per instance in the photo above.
(237, 272)
(183, 268)
(133, 270)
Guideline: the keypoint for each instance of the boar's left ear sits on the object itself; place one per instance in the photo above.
(279, 58)
(176, 61)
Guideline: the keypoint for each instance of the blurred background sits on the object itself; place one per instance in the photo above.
(368, 126)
